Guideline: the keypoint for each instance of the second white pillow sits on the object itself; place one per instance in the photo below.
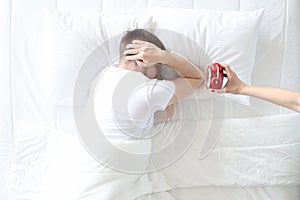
(222, 36)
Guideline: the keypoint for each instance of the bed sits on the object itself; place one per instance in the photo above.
(227, 147)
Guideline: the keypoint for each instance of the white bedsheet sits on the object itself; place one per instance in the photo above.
(277, 64)
(255, 158)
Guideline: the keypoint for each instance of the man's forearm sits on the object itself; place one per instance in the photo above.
(279, 96)
(183, 67)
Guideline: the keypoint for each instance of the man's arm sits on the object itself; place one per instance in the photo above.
(190, 77)
(279, 96)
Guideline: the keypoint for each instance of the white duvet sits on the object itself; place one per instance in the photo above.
(257, 154)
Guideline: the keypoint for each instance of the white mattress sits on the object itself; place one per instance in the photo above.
(277, 64)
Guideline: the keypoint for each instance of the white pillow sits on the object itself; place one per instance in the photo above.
(70, 41)
(223, 36)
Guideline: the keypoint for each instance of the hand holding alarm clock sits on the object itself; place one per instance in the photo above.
(215, 76)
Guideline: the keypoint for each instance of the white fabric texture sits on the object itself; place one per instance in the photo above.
(125, 102)
(69, 39)
(226, 37)
(84, 177)
(261, 152)
(256, 157)
(5, 91)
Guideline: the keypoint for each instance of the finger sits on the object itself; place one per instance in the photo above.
(143, 43)
(226, 67)
(133, 57)
(131, 52)
(133, 46)
(222, 90)
(139, 42)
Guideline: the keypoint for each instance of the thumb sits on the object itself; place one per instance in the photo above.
(222, 90)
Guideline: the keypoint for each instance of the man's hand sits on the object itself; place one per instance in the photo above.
(234, 84)
(163, 115)
(146, 53)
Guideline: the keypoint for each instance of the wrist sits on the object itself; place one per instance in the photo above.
(163, 57)
(242, 89)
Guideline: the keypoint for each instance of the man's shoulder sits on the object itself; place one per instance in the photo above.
(113, 71)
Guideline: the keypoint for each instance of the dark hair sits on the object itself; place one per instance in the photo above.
(139, 34)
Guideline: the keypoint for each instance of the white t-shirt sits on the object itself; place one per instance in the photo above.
(125, 102)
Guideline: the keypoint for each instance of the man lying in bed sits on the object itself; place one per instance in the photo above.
(130, 98)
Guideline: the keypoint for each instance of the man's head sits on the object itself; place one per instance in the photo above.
(139, 34)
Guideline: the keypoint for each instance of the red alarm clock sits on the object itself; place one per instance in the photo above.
(214, 76)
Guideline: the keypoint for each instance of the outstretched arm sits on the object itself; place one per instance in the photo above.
(279, 96)
(147, 53)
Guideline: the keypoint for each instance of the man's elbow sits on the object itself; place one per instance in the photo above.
(199, 81)
(200, 77)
